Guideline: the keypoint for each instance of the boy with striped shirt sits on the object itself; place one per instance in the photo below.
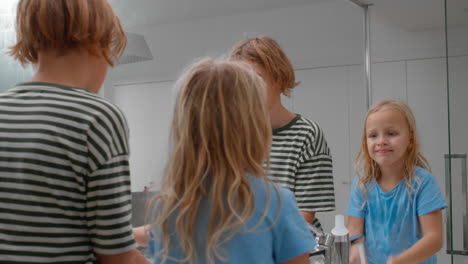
(300, 159)
(64, 174)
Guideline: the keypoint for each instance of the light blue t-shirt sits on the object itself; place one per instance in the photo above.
(391, 218)
(281, 236)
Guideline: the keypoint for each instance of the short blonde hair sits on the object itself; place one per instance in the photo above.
(63, 25)
(267, 53)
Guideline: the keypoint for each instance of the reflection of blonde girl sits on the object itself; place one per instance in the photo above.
(216, 203)
(395, 202)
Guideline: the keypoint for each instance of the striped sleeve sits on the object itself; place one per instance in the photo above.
(314, 189)
(108, 186)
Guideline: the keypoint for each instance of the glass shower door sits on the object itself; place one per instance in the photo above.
(456, 159)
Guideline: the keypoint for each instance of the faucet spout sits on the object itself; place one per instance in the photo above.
(324, 245)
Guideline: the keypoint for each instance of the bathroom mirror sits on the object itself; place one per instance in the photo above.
(408, 43)
(323, 38)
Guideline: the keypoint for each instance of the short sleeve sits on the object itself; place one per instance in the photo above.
(109, 208)
(313, 186)
(356, 200)
(429, 197)
(292, 238)
(108, 192)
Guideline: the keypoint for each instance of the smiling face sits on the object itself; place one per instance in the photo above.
(388, 137)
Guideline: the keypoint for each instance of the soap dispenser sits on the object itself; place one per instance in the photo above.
(340, 248)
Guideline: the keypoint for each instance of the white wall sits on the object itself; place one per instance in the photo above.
(12, 72)
(148, 110)
(316, 35)
(398, 31)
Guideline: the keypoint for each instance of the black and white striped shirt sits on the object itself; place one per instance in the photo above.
(300, 160)
(64, 176)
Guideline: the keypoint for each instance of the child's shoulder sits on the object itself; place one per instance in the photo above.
(262, 187)
(307, 124)
(368, 184)
(423, 179)
(422, 174)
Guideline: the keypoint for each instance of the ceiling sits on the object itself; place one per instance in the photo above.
(421, 15)
(414, 15)
(154, 12)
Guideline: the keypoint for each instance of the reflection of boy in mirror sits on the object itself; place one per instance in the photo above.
(64, 173)
(300, 159)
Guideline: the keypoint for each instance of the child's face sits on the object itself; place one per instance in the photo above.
(388, 137)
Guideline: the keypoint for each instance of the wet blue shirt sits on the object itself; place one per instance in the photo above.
(281, 236)
(391, 218)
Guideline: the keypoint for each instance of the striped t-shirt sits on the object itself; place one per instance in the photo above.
(64, 176)
(300, 160)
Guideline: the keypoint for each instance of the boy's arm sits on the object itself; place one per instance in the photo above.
(308, 216)
(129, 257)
(430, 243)
(314, 168)
(301, 259)
(141, 235)
(308, 179)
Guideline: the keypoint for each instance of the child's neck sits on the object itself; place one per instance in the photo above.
(280, 115)
(391, 177)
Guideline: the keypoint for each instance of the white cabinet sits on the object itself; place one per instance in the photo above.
(427, 97)
(389, 81)
(148, 109)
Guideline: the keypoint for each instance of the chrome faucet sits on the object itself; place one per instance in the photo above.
(331, 248)
(321, 254)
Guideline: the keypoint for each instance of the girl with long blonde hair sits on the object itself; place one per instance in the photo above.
(395, 202)
(216, 204)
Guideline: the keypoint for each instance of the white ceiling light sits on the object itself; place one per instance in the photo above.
(137, 49)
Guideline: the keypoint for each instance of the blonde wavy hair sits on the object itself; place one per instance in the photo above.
(368, 169)
(62, 25)
(220, 131)
(267, 53)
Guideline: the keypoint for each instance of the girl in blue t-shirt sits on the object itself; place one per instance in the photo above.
(216, 204)
(395, 203)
